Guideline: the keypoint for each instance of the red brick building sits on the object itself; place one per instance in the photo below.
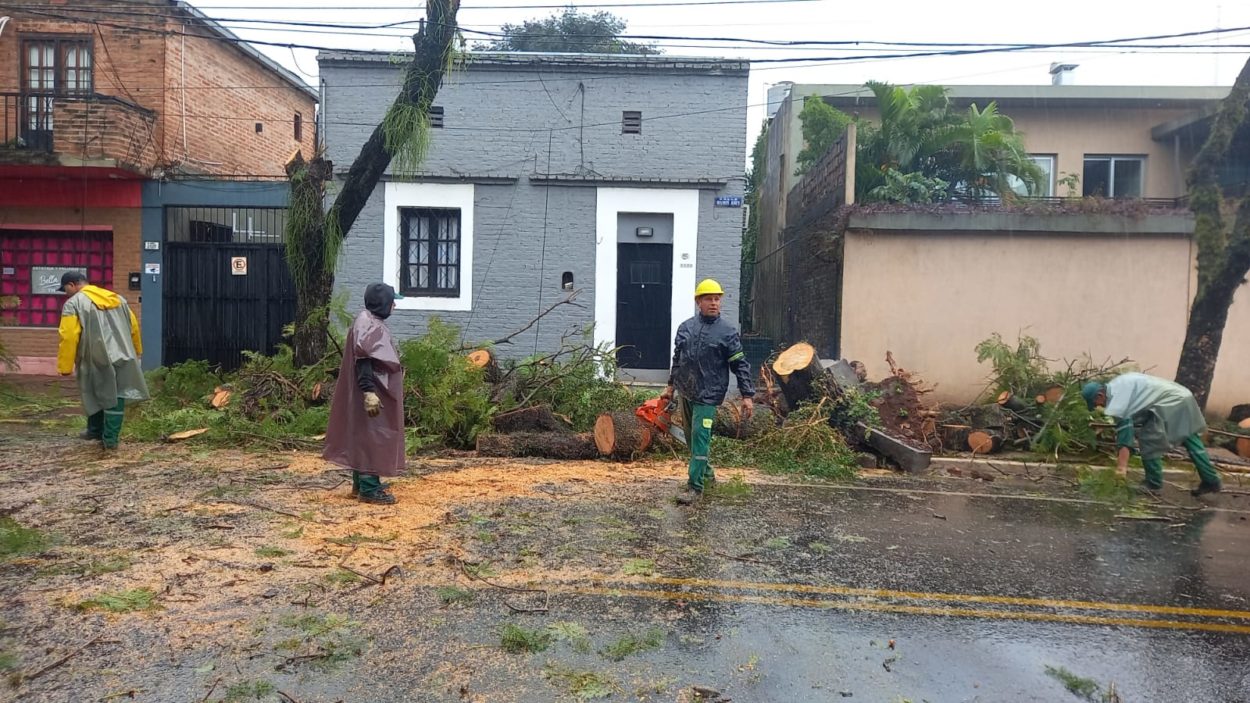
(95, 99)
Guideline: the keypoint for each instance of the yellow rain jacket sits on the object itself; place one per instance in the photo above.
(100, 336)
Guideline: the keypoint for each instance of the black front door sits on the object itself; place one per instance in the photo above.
(224, 298)
(644, 304)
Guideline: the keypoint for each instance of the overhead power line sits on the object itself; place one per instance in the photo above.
(848, 43)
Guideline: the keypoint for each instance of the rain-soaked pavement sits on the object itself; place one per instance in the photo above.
(818, 593)
(891, 589)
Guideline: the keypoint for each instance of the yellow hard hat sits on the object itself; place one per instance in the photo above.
(708, 287)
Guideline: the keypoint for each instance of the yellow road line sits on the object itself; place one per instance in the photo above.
(911, 609)
(945, 597)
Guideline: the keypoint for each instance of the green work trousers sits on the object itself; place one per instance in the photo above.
(106, 425)
(698, 419)
(1197, 454)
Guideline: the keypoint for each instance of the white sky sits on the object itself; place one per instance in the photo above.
(893, 20)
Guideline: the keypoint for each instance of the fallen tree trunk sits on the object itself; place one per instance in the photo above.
(730, 423)
(985, 442)
(621, 436)
(796, 369)
(534, 419)
(543, 445)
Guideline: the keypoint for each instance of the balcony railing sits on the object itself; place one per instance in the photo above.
(86, 127)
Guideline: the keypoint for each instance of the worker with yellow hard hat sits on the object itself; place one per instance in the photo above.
(705, 350)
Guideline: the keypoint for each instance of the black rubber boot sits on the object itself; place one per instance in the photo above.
(378, 498)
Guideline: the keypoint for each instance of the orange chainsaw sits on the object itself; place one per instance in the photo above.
(658, 413)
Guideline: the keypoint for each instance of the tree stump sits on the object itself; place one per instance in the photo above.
(985, 442)
(730, 423)
(485, 360)
(543, 445)
(621, 436)
(796, 369)
(534, 419)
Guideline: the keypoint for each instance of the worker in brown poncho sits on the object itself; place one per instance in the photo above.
(366, 430)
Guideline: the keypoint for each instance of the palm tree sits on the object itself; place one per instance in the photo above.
(977, 152)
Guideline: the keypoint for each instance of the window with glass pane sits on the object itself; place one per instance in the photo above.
(77, 67)
(431, 252)
(1045, 186)
(1113, 176)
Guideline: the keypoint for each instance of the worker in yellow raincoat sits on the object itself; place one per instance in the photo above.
(100, 337)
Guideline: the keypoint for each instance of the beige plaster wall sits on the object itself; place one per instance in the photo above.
(931, 296)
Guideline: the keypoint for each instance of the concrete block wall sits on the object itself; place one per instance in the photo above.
(505, 123)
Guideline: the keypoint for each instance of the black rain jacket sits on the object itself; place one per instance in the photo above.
(705, 349)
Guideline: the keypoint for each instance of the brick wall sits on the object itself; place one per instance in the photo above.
(227, 94)
(142, 62)
(99, 128)
(125, 222)
(497, 123)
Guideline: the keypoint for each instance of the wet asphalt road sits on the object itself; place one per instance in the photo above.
(795, 593)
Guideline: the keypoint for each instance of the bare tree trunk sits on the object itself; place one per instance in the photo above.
(1223, 257)
(1207, 317)
(315, 250)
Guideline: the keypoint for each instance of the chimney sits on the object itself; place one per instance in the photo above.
(1061, 73)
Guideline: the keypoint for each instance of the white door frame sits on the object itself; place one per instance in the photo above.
(683, 205)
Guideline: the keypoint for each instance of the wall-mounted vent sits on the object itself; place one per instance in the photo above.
(631, 122)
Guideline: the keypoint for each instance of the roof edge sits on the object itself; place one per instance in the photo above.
(660, 62)
(242, 45)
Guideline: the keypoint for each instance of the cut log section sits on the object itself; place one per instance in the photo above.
(796, 369)
(1239, 413)
(1013, 403)
(983, 442)
(1053, 395)
(1243, 444)
(730, 423)
(483, 359)
(621, 436)
(535, 419)
(221, 398)
(955, 437)
(186, 434)
(542, 445)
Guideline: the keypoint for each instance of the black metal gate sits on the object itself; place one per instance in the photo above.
(644, 300)
(227, 286)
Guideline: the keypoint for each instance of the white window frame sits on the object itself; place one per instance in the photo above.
(1017, 185)
(400, 195)
(1112, 159)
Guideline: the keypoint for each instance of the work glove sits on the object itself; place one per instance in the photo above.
(373, 404)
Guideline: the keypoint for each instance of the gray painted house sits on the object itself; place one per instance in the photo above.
(548, 173)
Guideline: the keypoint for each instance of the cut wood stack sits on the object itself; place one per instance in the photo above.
(621, 436)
